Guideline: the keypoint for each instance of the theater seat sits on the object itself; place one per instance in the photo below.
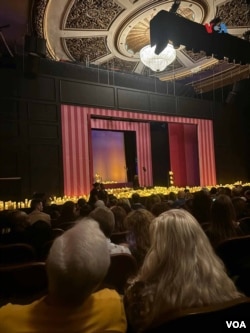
(23, 283)
(16, 253)
(122, 266)
(235, 253)
(119, 237)
(215, 318)
(245, 225)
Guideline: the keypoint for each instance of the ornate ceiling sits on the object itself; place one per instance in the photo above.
(110, 33)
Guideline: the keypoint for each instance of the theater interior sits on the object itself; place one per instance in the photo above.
(71, 67)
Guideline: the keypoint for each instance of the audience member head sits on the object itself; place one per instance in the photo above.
(201, 206)
(125, 203)
(222, 211)
(224, 190)
(136, 198)
(39, 234)
(54, 211)
(137, 223)
(213, 192)
(119, 214)
(68, 212)
(159, 208)
(172, 196)
(77, 263)
(136, 201)
(36, 204)
(181, 194)
(99, 203)
(85, 210)
(112, 200)
(97, 185)
(105, 217)
(240, 207)
(247, 195)
(237, 191)
(81, 202)
(103, 194)
(223, 220)
(18, 220)
(180, 270)
(151, 200)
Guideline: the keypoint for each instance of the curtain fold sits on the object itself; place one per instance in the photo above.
(184, 160)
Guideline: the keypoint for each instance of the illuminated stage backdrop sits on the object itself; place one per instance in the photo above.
(76, 141)
(109, 146)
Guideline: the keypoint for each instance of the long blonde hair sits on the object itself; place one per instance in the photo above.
(181, 269)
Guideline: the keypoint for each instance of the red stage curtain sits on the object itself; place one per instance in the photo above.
(75, 148)
(183, 147)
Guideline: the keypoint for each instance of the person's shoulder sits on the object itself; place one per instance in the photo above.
(118, 249)
(45, 214)
(12, 308)
(106, 293)
(108, 310)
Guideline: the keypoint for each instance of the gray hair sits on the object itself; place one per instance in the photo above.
(106, 219)
(77, 262)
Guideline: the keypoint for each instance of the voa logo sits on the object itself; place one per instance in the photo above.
(236, 324)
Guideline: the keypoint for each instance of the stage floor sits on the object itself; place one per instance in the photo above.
(118, 185)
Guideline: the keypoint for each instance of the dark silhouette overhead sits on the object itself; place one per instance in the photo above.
(211, 38)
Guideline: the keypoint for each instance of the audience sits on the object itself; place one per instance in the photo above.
(125, 204)
(85, 210)
(112, 200)
(120, 215)
(159, 208)
(201, 206)
(76, 266)
(93, 195)
(81, 202)
(39, 233)
(240, 207)
(180, 200)
(54, 211)
(137, 223)
(37, 213)
(136, 201)
(99, 203)
(151, 200)
(213, 193)
(180, 270)
(103, 194)
(223, 224)
(67, 216)
(17, 226)
(105, 217)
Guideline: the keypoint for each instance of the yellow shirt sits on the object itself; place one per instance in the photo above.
(103, 311)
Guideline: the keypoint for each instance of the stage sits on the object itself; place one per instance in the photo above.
(118, 185)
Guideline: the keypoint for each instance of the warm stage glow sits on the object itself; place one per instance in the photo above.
(109, 156)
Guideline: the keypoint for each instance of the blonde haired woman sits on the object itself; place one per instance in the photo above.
(180, 270)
